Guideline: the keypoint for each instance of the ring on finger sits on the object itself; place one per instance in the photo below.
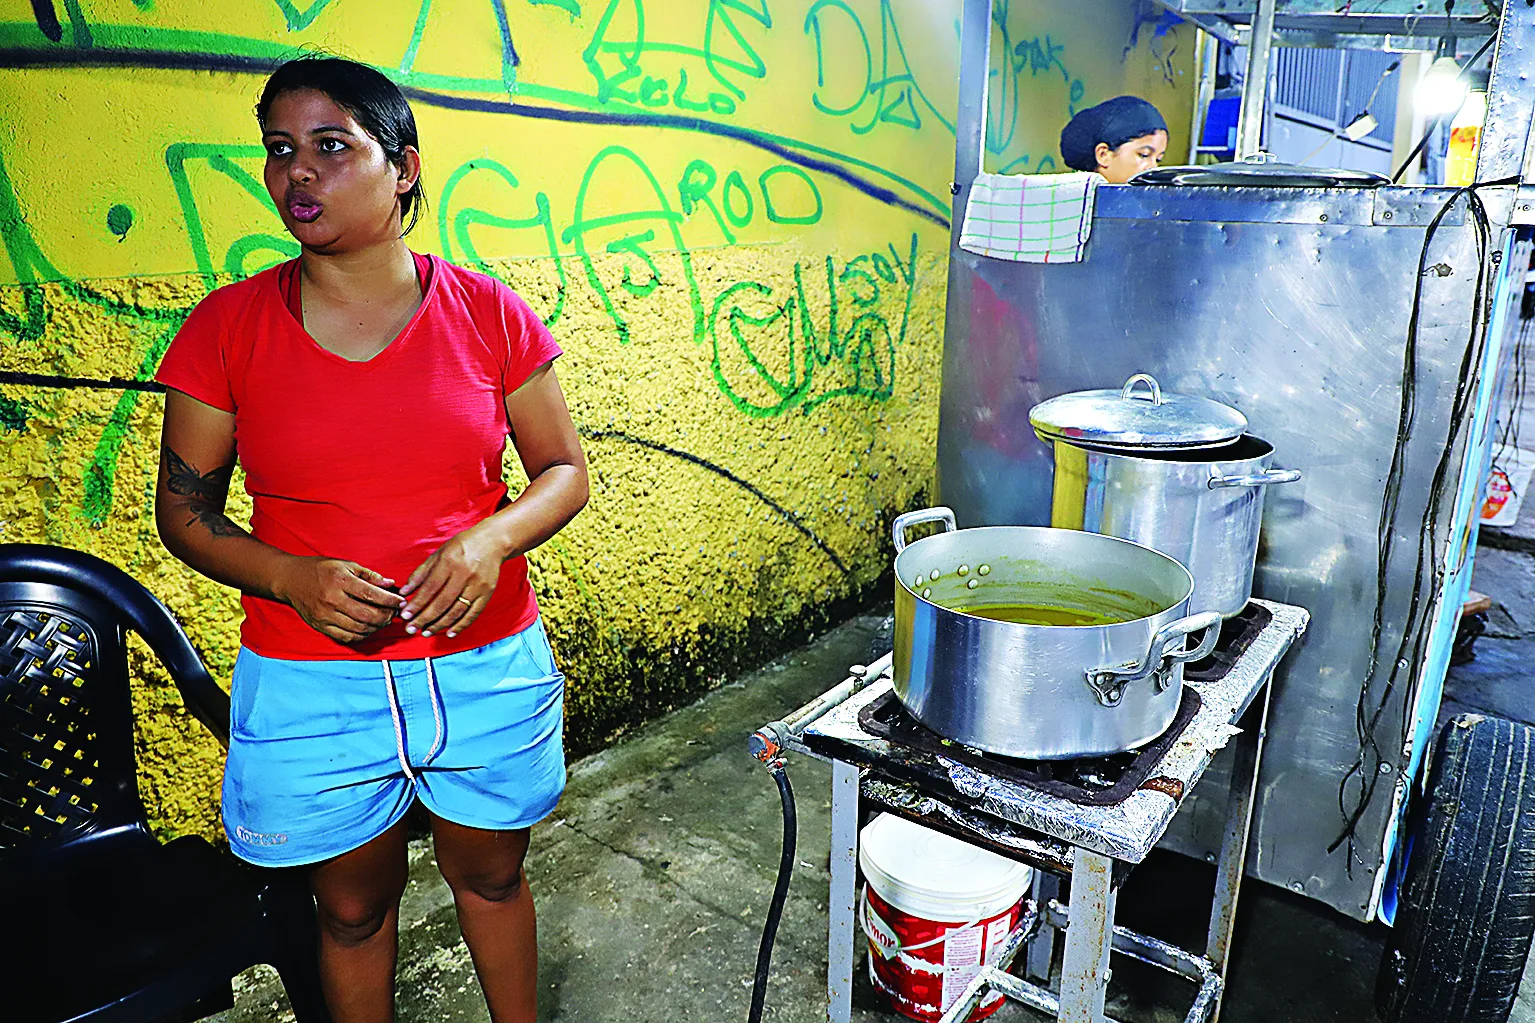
(466, 600)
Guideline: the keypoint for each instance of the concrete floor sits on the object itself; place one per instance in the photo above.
(653, 876)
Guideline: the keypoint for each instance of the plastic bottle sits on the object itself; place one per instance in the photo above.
(1465, 140)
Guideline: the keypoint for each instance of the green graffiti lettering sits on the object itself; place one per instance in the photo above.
(1032, 57)
(101, 472)
(234, 261)
(770, 357)
(13, 414)
(417, 31)
(695, 187)
(300, 19)
(653, 92)
(813, 25)
(735, 185)
(628, 53)
(634, 245)
(749, 63)
(459, 240)
(771, 208)
(582, 226)
(692, 189)
(27, 262)
(725, 51)
(79, 28)
(221, 159)
(891, 92)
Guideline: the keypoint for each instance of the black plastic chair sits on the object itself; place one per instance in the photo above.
(99, 920)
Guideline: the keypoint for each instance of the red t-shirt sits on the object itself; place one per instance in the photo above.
(377, 462)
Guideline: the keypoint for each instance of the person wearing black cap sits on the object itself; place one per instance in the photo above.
(1118, 138)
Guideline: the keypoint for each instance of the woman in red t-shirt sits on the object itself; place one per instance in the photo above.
(391, 649)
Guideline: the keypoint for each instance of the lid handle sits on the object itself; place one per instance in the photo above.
(1128, 390)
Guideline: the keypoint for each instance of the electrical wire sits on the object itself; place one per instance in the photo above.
(1508, 434)
(1342, 133)
(1364, 774)
(780, 892)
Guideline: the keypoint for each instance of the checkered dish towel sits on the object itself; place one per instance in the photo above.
(1030, 218)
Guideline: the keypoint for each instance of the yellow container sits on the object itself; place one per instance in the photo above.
(1465, 140)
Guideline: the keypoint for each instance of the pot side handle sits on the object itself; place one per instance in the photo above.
(1109, 683)
(1260, 479)
(1208, 621)
(905, 521)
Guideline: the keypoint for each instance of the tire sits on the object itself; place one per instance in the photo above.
(1467, 909)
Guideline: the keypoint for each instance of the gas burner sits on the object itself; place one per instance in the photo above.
(1090, 781)
(1237, 634)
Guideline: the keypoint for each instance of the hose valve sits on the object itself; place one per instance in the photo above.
(767, 743)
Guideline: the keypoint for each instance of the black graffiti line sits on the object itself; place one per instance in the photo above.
(117, 384)
(724, 473)
(167, 60)
(54, 380)
(47, 19)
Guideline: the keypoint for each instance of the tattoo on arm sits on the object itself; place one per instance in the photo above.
(207, 493)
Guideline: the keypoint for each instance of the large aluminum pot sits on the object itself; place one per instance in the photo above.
(1176, 472)
(1203, 507)
(1042, 692)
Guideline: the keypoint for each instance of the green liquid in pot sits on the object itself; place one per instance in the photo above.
(1041, 614)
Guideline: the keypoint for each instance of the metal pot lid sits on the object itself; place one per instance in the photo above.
(1132, 417)
(1261, 174)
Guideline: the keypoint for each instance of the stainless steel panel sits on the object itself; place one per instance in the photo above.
(1415, 207)
(1236, 205)
(1299, 325)
(1465, 10)
(1505, 144)
(1524, 205)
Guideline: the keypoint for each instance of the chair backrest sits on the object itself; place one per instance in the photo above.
(67, 766)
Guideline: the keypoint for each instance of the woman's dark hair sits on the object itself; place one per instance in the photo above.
(376, 102)
(1113, 122)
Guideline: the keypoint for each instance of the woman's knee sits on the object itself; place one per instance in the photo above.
(353, 918)
(487, 883)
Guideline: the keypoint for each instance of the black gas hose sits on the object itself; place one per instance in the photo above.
(780, 890)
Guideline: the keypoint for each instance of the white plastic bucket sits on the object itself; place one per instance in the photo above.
(935, 909)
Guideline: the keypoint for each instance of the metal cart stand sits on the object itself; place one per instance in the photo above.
(1093, 845)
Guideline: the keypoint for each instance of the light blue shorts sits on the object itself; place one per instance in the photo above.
(325, 756)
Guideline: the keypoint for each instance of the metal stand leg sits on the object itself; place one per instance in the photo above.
(1248, 751)
(839, 904)
(1041, 951)
(1085, 969)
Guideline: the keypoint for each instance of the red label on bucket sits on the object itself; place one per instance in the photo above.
(928, 963)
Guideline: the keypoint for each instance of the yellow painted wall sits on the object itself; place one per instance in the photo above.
(732, 214)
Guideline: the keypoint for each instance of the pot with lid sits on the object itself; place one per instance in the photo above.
(1175, 472)
(1042, 643)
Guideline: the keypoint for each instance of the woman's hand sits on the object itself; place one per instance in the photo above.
(447, 592)
(341, 599)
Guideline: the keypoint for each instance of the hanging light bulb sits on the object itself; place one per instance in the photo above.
(1441, 90)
